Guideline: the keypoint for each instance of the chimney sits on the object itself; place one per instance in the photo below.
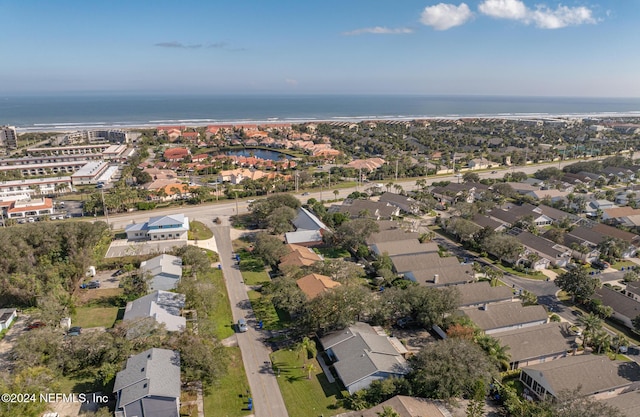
(435, 278)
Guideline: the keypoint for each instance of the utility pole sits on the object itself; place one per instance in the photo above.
(397, 160)
(237, 212)
(104, 206)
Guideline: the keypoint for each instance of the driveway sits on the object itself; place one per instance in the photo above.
(6, 344)
(265, 391)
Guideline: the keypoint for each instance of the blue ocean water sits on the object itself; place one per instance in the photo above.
(69, 112)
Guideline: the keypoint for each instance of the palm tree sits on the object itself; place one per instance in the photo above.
(309, 367)
(388, 186)
(591, 323)
(336, 192)
(308, 347)
(496, 351)
(398, 188)
(619, 340)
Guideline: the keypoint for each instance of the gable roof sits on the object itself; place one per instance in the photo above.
(313, 285)
(167, 220)
(154, 372)
(162, 306)
(543, 246)
(305, 220)
(593, 373)
(482, 292)
(404, 247)
(299, 256)
(628, 403)
(391, 235)
(537, 341)
(620, 303)
(405, 407)
(419, 261)
(443, 275)
(362, 351)
(167, 265)
(498, 316)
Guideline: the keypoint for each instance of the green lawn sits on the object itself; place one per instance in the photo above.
(304, 397)
(332, 252)
(228, 397)
(199, 231)
(621, 264)
(252, 268)
(220, 317)
(264, 310)
(94, 317)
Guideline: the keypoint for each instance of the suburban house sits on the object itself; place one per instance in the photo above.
(149, 385)
(313, 285)
(299, 256)
(597, 376)
(625, 307)
(162, 307)
(406, 204)
(481, 293)
(538, 344)
(361, 354)
(366, 208)
(547, 251)
(405, 407)
(481, 163)
(164, 271)
(428, 267)
(7, 316)
(628, 403)
(403, 247)
(309, 229)
(176, 154)
(174, 226)
(501, 317)
(453, 192)
(390, 232)
(591, 235)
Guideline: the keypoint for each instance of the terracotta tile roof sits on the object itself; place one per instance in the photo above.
(313, 285)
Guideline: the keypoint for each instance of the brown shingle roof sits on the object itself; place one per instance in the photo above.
(502, 315)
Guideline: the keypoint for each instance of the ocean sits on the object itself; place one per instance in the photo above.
(43, 113)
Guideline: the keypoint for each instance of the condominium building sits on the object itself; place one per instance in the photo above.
(8, 137)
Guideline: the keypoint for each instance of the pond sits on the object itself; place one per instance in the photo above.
(260, 153)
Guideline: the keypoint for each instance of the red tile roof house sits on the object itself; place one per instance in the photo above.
(176, 154)
(166, 129)
(199, 157)
(190, 136)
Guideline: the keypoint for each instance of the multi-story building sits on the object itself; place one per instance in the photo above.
(69, 150)
(90, 173)
(97, 136)
(8, 137)
(35, 186)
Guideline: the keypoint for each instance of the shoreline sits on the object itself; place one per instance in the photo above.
(65, 127)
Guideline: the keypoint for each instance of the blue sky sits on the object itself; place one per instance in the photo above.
(484, 47)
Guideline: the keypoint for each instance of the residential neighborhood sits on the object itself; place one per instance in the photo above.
(324, 281)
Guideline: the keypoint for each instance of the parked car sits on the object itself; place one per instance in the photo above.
(35, 325)
(494, 172)
(405, 322)
(74, 331)
(305, 194)
(598, 264)
(250, 201)
(90, 285)
(117, 273)
(242, 325)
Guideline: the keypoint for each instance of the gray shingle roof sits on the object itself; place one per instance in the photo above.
(162, 306)
(419, 261)
(501, 315)
(405, 407)
(404, 247)
(593, 373)
(533, 342)
(361, 352)
(305, 220)
(482, 292)
(154, 372)
(621, 304)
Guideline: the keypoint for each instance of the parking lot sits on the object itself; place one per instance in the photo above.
(124, 247)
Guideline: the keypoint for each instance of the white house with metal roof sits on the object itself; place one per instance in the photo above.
(174, 226)
(163, 307)
(149, 385)
(164, 271)
(309, 229)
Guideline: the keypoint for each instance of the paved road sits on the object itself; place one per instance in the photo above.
(265, 392)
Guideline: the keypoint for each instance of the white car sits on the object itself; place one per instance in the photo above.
(242, 326)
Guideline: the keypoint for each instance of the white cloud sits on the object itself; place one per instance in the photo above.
(445, 16)
(379, 30)
(543, 16)
(563, 16)
(504, 9)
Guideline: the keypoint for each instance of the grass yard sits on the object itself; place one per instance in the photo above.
(228, 397)
(264, 310)
(220, 317)
(332, 253)
(304, 397)
(622, 264)
(252, 268)
(95, 317)
(199, 231)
